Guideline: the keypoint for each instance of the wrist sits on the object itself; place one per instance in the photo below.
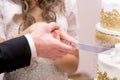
(32, 45)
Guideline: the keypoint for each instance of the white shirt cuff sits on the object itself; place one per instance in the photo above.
(32, 45)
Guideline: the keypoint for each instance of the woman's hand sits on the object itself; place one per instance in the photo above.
(64, 37)
(68, 63)
(35, 27)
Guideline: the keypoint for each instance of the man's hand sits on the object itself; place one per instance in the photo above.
(46, 44)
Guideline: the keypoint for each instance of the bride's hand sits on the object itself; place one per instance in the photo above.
(33, 28)
(64, 37)
(30, 29)
(69, 62)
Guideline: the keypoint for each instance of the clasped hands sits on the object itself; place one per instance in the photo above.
(48, 39)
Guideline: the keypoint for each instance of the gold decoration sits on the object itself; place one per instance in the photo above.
(110, 20)
(104, 76)
(107, 38)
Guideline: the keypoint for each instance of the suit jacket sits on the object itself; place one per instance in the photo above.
(14, 54)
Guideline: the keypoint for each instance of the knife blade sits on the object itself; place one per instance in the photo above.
(91, 48)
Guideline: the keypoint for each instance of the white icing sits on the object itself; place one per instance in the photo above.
(115, 54)
(111, 1)
(109, 62)
(109, 5)
(117, 48)
(106, 31)
(107, 65)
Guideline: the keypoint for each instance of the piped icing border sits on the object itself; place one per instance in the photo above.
(106, 31)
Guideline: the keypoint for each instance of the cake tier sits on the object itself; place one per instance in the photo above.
(107, 38)
(109, 5)
(108, 65)
(110, 14)
(106, 35)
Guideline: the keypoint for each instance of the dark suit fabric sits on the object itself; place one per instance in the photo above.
(14, 54)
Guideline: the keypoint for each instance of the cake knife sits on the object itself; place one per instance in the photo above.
(91, 48)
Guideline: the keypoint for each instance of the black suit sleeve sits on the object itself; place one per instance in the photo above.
(14, 54)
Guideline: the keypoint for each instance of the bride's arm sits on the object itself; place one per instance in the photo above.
(69, 63)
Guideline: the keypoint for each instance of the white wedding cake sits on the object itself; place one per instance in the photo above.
(109, 64)
(108, 34)
(108, 29)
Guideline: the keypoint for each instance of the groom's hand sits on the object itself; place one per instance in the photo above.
(46, 44)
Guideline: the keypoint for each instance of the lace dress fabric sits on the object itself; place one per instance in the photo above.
(72, 18)
(2, 30)
(40, 68)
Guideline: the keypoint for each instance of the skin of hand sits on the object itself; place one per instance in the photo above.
(46, 45)
(64, 37)
(2, 40)
(69, 63)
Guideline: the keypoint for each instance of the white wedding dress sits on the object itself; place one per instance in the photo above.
(40, 68)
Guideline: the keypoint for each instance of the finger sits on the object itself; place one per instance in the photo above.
(53, 26)
(56, 34)
(63, 48)
(55, 57)
(65, 37)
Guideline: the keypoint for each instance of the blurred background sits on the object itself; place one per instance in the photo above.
(89, 11)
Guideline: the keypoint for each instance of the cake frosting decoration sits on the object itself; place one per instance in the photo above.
(109, 64)
(108, 29)
(110, 20)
